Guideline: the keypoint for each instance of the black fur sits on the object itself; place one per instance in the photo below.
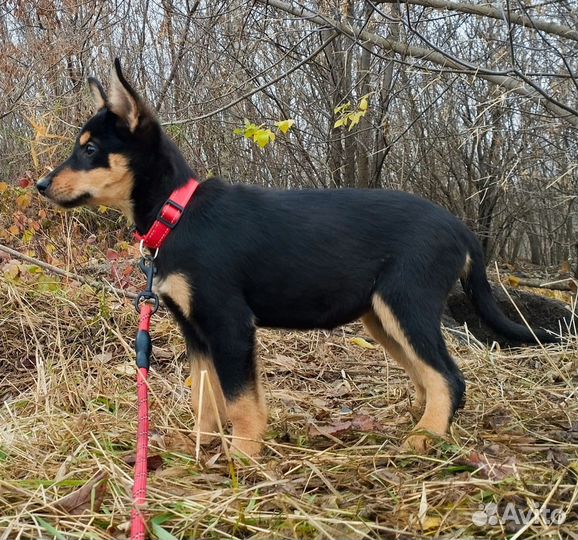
(298, 259)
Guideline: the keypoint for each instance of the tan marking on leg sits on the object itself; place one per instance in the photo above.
(176, 287)
(438, 407)
(248, 414)
(396, 351)
(84, 138)
(467, 266)
(207, 417)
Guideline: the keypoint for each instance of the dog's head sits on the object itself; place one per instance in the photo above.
(100, 170)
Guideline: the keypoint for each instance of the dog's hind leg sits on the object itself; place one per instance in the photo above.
(414, 325)
(375, 328)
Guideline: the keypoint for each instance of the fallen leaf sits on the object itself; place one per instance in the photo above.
(103, 358)
(23, 201)
(172, 472)
(430, 522)
(153, 462)
(88, 497)
(491, 468)
(497, 419)
(128, 368)
(513, 281)
(162, 354)
(283, 362)
(360, 342)
(362, 422)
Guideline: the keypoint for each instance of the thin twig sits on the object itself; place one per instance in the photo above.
(65, 273)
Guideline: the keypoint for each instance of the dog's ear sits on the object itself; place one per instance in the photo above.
(98, 93)
(124, 101)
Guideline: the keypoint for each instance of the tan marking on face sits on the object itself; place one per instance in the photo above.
(248, 414)
(106, 186)
(207, 416)
(178, 289)
(84, 138)
(396, 351)
(438, 407)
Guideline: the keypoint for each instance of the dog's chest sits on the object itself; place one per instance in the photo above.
(176, 288)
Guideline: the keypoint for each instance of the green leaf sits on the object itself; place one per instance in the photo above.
(160, 532)
(239, 131)
(285, 125)
(49, 528)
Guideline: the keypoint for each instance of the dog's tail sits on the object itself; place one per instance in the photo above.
(476, 286)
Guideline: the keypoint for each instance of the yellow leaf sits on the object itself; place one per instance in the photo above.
(3, 187)
(341, 122)
(341, 108)
(363, 104)
(513, 281)
(355, 118)
(263, 137)
(23, 201)
(102, 209)
(430, 522)
(250, 130)
(360, 342)
(285, 125)
(13, 229)
(27, 236)
(189, 382)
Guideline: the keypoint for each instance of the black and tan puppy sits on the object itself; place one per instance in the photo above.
(243, 257)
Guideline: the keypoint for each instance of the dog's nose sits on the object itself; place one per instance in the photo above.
(43, 184)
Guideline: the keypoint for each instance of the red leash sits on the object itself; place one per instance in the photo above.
(146, 304)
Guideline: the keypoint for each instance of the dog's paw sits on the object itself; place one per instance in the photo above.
(418, 444)
(245, 447)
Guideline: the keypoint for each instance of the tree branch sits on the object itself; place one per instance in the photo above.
(258, 89)
(505, 81)
(485, 10)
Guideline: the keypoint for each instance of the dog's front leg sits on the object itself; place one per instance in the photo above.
(231, 338)
(207, 396)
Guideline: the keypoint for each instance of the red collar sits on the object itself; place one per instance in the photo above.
(169, 215)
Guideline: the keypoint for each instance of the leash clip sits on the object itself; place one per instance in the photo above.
(147, 266)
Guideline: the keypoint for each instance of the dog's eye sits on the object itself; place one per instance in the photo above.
(90, 148)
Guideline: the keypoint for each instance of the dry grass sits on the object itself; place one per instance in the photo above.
(69, 411)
